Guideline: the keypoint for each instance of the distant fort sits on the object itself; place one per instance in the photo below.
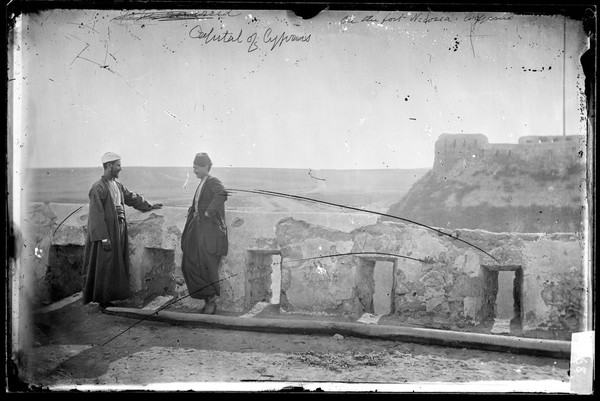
(536, 185)
(536, 152)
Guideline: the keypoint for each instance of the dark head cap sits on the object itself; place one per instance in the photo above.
(202, 160)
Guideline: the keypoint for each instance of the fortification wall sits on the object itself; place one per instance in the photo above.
(531, 152)
(54, 239)
(454, 285)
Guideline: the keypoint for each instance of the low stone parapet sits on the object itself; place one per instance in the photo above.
(331, 263)
(54, 238)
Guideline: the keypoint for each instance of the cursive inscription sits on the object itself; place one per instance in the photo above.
(427, 18)
(278, 40)
(210, 36)
(390, 18)
(479, 18)
(421, 18)
(369, 18)
(174, 15)
(269, 37)
(394, 18)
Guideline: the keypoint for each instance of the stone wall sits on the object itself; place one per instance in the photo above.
(539, 276)
(538, 185)
(155, 250)
(532, 152)
(453, 285)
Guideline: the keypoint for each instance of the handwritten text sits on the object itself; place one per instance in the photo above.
(421, 17)
(174, 15)
(253, 40)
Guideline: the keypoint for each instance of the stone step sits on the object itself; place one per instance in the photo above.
(158, 302)
(501, 326)
(256, 309)
(60, 304)
(370, 318)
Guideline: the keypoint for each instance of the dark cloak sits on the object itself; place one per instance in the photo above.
(106, 273)
(204, 241)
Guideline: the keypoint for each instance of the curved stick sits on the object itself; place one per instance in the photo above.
(297, 197)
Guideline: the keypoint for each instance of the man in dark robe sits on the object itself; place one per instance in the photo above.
(204, 240)
(106, 256)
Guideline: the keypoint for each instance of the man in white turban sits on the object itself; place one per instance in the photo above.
(106, 257)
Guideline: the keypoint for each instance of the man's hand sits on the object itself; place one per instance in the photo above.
(106, 245)
(156, 206)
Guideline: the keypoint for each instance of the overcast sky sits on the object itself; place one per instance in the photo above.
(350, 92)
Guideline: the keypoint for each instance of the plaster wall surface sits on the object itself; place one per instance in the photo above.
(47, 225)
(445, 288)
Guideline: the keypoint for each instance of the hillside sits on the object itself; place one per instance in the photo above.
(492, 194)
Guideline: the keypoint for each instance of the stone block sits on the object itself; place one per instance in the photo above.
(468, 263)
(401, 289)
(409, 304)
(316, 288)
(472, 307)
(433, 279)
(40, 214)
(433, 303)
(411, 270)
(157, 268)
(465, 286)
(70, 235)
(433, 292)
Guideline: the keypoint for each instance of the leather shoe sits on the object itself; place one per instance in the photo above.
(210, 308)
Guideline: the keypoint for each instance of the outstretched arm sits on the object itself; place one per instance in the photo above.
(137, 201)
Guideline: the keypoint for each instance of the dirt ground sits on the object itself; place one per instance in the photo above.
(79, 345)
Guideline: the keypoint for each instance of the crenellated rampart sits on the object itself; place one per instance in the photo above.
(532, 152)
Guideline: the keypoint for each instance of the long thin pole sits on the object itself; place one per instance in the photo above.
(564, 74)
(283, 195)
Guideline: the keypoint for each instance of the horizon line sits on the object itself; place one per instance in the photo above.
(234, 167)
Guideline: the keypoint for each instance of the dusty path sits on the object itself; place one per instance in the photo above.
(68, 351)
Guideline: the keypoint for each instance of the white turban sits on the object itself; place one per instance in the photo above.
(110, 157)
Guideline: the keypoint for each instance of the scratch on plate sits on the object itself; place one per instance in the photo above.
(175, 117)
(84, 108)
